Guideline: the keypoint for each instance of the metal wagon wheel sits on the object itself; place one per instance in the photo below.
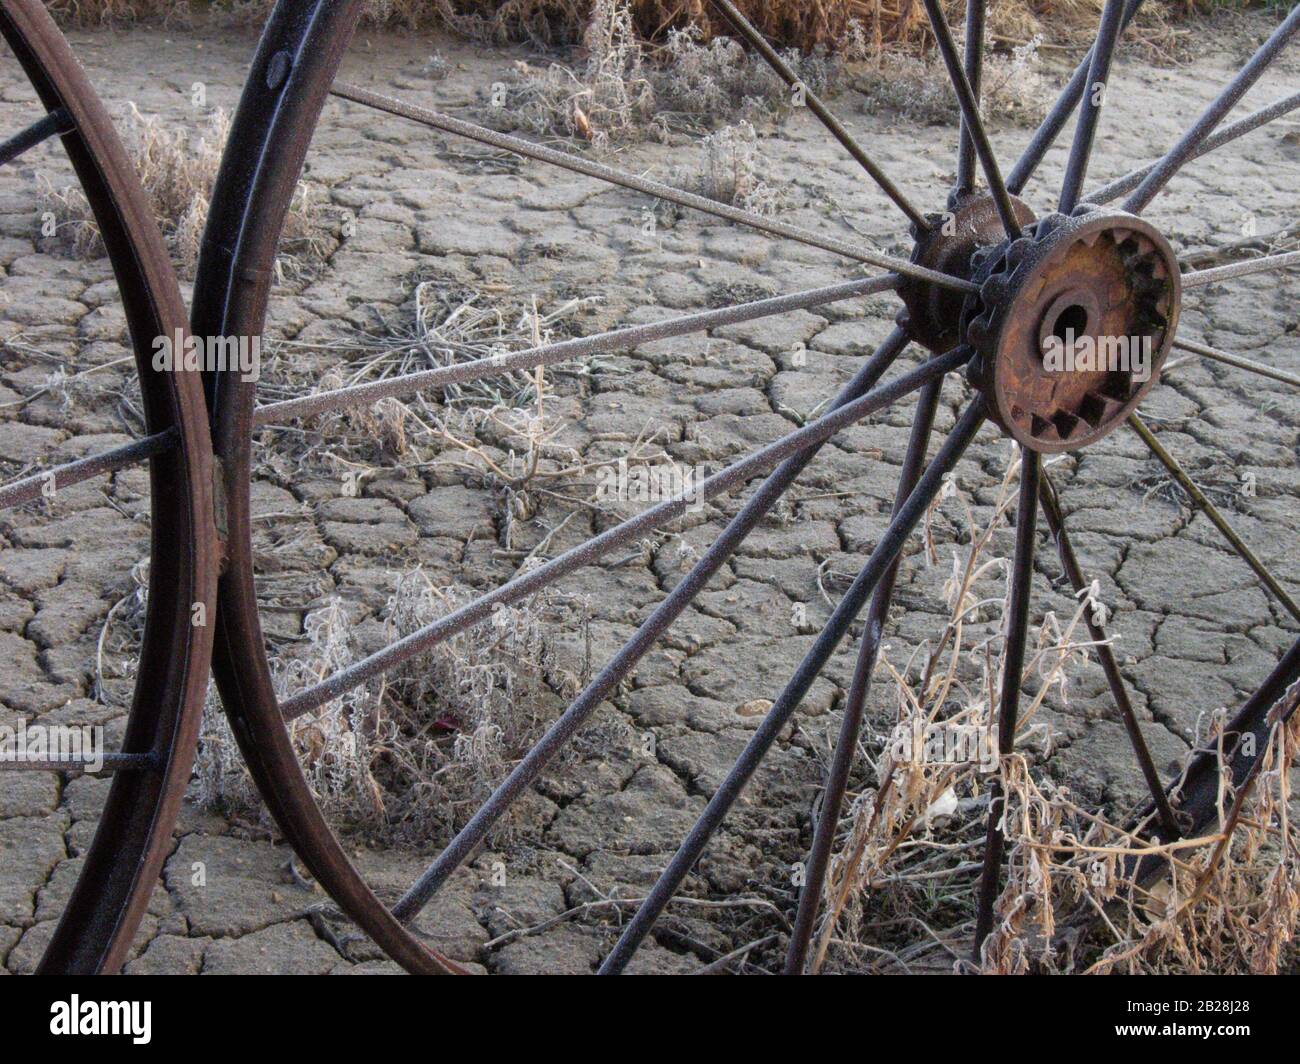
(982, 295)
(152, 770)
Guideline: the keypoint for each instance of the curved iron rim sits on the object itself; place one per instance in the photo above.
(134, 836)
(296, 62)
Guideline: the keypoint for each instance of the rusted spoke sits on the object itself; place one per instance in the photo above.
(846, 744)
(1013, 665)
(609, 174)
(53, 480)
(719, 483)
(111, 763)
(1278, 108)
(973, 59)
(759, 43)
(54, 124)
(1266, 264)
(565, 351)
(1094, 96)
(1213, 114)
(889, 547)
(683, 593)
(1212, 512)
(1106, 656)
(1050, 127)
(973, 124)
(1229, 359)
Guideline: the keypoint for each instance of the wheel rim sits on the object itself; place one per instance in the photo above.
(125, 859)
(938, 285)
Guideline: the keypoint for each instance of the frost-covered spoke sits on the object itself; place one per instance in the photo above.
(1050, 127)
(1114, 189)
(973, 124)
(890, 545)
(621, 665)
(814, 103)
(1076, 167)
(565, 351)
(577, 164)
(719, 483)
(1213, 114)
(47, 483)
(1229, 359)
(1266, 264)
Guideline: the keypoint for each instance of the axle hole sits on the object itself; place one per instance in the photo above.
(1073, 319)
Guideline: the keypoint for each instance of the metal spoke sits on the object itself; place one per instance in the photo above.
(1013, 665)
(970, 110)
(846, 744)
(1229, 359)
(1094, 96)
(1050, 127)
(665, 512)
(631, 652)
(1213, 114)
(1212, 512)
(609, 174)
(1119, 692)
(1267, 264)
(53, 480)
(889, 547)
(974, 63)
(1131, 180)
(759, 43)
(110, 763)
(54, 124)
(564, 351)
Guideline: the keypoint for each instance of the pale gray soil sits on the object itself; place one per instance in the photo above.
(1195, 630)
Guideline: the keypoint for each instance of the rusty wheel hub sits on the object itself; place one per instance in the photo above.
(1071, 325)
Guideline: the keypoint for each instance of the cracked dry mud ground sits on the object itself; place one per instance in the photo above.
(1195, 630)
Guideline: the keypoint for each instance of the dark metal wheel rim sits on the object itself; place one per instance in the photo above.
(292, 75)
(125, 859)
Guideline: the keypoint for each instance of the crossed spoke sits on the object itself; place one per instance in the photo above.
(837, 779)
(1050, 127)
(664, 513)
(973, 124)
(613, 176)
(882, 558)
(1114, 189)
(760, 44)
(1213, 114)
(973, 60)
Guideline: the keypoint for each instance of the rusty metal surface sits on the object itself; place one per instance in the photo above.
(1097, 284)
(125, 859)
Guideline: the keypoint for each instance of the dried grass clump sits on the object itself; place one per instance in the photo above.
(408, 758)
(177, 167)
(901, 890)
(731, 170)
(626, 89)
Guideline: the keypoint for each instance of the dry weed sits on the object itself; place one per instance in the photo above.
(178, 167)
(900, 892)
